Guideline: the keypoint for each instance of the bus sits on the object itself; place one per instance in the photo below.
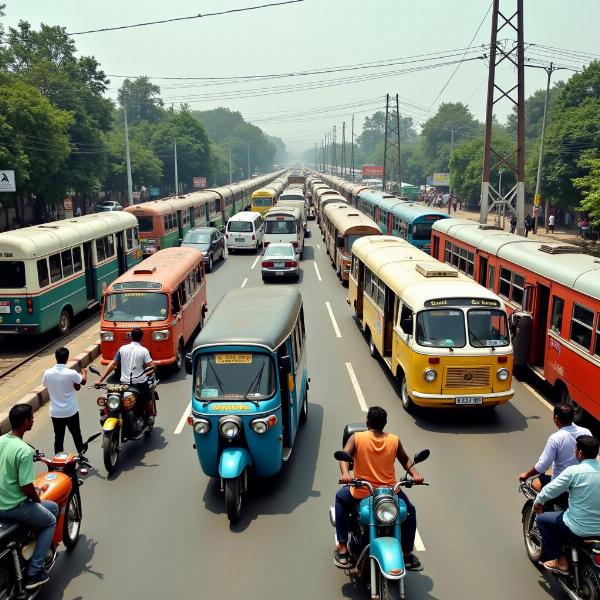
(553, 292)
(444, 337)
(284, 225)
(265, 198)
(165, 296)
(342, 226)
(50, 273)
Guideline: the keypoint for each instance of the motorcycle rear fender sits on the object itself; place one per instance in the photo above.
(388, 554)
(233, 461)
(111, 423)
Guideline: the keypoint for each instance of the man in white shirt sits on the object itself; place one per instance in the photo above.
(134, 360)
(551, 221)
(62, 383)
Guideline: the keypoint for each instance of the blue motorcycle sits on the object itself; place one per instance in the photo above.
(374, 535)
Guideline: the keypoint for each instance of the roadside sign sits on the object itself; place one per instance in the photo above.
(372, 171)
(7, 181)
(442, 179)
(154, 192)
(199, 183)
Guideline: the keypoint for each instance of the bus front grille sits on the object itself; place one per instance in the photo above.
(470, 377)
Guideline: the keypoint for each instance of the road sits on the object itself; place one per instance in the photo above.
(158, 529)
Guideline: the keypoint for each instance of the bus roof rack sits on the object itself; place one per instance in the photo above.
(558, 248)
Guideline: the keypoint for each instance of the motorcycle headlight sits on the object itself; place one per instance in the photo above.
(429, 375)
(201, 426)
(107, 336)
(159, 336)
(113, 401)
(230, 427)
(502, 374)
(386, 510)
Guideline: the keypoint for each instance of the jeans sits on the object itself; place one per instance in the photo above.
(345, 503)
(554, 533)
(60, 424)
(37, 516)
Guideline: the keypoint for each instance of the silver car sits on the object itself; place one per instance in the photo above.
(280, 261)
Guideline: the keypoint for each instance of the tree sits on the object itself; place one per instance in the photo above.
(142, 100)
(589, 186)
(373, 135)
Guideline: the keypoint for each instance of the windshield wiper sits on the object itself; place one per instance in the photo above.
(254, 383)
(482, 345)
(219, 383)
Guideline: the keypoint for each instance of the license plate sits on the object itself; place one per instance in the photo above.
(5, 308)
(278, 272)
(469, 400)
(240, 239)
(279, 265)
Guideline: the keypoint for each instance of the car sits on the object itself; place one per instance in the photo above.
(280, 261)
(208, 240)
(108, 206)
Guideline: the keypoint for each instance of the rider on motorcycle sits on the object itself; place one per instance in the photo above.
(19, 499)
(134, 360)
(374, 453)
(582, 518)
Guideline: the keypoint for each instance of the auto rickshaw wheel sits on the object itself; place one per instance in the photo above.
(233, 499)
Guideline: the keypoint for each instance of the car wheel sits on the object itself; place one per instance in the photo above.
(210, 263)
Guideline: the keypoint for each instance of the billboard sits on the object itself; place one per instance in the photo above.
(442, 179)
(7, 181)
(372, 171)
(199, 183)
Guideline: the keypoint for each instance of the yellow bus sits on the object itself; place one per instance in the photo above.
(443, 336)
(266, 197)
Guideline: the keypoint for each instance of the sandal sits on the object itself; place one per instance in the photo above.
(552, 565)
(342, 561)
(412, 563)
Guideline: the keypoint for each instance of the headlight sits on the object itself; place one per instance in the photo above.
(159, 336)
(201, 426)
(502, 374)
(113, 401)
(107, 336)
(261, 426)
(386, 510)
(429, 375)
(230, 427)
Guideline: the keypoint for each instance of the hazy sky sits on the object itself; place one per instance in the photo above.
(309, 35)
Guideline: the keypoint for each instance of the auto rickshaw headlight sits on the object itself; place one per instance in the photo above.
(107, 336)
(502, 374)
(230, 427)
(429, 375)
(201, 426)
(386, 509)
(160, 336)
(113, 401)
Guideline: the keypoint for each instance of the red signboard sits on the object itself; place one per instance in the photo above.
(372, 171)
(199, 182)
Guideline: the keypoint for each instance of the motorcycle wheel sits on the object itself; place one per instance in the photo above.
(389, 589)
(533, 547)
(233, 499)
(72, 521)
(7, 586)
(110, 450)
(590, 583)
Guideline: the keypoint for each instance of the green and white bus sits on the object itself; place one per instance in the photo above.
(49, 273)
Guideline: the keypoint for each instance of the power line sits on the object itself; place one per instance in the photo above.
(188, 18)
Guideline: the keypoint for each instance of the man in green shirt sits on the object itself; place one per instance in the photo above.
(19, 500)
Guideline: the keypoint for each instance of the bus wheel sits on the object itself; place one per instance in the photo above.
(372, 348)
(64, 322)
(179, 358)
(407, 404)
(579, 416)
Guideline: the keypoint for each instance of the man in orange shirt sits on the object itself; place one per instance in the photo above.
(374, 453)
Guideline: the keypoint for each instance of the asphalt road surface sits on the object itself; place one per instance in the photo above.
(158, 529)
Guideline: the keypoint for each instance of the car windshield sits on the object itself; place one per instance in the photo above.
(280, 227)
(12, 274)
(262, 201)
(234, 375)
(240, 226)
(197, 237)
(136, 306)
(487, 328)
(444, 328)
(145, 224)
(273, 250)
(421, 231)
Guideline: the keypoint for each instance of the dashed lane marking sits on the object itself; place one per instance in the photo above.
(244, 282)
(183, 419)
(333, 321)
(419, 545)
(255, 261)
(317, 271)
(356, 386)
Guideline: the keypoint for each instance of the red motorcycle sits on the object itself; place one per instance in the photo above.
(60, 484)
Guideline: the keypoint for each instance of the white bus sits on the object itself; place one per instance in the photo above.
(284, 224)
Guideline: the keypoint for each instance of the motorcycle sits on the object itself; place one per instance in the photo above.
(118, 417)
(582, 580)
(60, 484)
(374, 534)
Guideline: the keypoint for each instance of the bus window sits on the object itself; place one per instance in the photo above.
(42, 269)
(145, 224)
(183, 294)
(558, 306)
(55, 268)
(12, 274)
(67, 263)
(175, 305)
(77, 264)
(597, 346)
(582, 326)
(518, 285)
(100, 250)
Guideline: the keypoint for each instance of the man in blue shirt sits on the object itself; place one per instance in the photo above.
(582, 518)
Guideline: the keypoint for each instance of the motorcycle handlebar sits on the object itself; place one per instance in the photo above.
(361, 483)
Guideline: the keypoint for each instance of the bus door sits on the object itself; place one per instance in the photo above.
(285, 350)
(541, 323)
(207, 212)
(121, 255)
(90, 276)
(360, 289)
(483, 267)
(388, 321)
(180, 225)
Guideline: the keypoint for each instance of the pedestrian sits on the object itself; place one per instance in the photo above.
(551, 219)
(62, 383)
(513, 223)
(585, 227)
(528, 224)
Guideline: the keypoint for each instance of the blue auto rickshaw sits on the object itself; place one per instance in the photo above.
(250, 387)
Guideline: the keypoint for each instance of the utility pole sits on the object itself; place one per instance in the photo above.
(248, 146)
(452, 130)
(512, 54)
(391, 149)
(176, 175)
(128, 160)
(344, 149)
(230, 164)
(352, 150)
(334, 152)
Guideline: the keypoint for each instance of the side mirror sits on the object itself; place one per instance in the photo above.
(188, 363)
(342, 456)
(421, 456)
(94, 369)
(406, 325)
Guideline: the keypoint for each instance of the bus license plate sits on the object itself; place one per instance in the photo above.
(469, 400)
(5, 308)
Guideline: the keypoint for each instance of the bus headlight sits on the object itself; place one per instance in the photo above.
(160, 336)
(113, 401)
(201, 426)
(429, 375)
(230, 427)
(502, 374)
(107, 336)
(386, 509)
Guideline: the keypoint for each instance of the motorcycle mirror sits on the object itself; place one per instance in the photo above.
(421, 456)
(94, 369)
(342, 456)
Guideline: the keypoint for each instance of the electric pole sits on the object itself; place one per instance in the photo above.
(229, 164)
(176, 175)
(391, 148)
(248, 146)
(128, 160)
(352, 150)
(452, 132)
(334, 153)
(344, 149)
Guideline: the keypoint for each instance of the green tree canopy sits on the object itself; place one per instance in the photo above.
(589, 186)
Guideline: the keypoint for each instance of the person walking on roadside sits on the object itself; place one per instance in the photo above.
(62, 383)
(585, 227)
(551, 220)
(513, 223)
(528, 224)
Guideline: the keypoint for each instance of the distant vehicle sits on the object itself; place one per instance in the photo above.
(209, 241)
(244, 231)
(280, 261)
(285, 225)
(108, 206)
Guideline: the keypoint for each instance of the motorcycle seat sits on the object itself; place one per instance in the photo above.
(11, 531)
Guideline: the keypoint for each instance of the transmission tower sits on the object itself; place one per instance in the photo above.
(391, 149)
(512, 54)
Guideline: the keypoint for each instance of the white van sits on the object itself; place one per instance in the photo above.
(284, 224)
(244, 231)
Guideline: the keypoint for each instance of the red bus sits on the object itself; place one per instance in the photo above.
(165, 296)
(553, 291)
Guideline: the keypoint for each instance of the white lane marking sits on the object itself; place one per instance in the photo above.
(419, 545)
(317, 271)
(183, 419)
(244, 282)
(318, 246)
(357, 390)
(538, 396)
(333, 321)
(255, 261)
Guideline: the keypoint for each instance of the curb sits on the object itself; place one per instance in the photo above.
(39, 395)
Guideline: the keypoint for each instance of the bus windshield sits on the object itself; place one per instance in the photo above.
(136, 306)
(234, 375)
(487, 328)
(421, 231)
(262, 201)
(280, 227)
(444, 328)
(12, 274)
(145, 224)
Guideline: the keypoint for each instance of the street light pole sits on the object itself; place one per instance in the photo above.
(450, 167)
(128, 160)
(176, 172)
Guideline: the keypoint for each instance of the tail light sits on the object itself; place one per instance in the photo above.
(295, 244)
(265, 244)
(29, 306)
(268, 264)
(253, 237)
(597, 559)
(290, 263)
